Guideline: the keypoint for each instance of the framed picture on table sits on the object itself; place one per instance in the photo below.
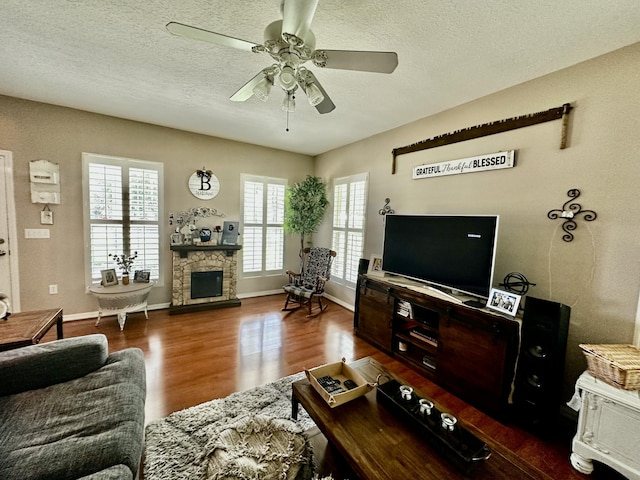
(141, 276)
(109, 277)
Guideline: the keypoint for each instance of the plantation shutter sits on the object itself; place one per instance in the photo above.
(263, 224)
(349, 209)
(124, 211)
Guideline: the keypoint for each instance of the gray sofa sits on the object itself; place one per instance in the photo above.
(70, 410)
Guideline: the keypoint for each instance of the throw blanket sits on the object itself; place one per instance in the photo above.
(242, 436)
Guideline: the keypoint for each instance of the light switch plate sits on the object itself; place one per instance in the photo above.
(36, 233)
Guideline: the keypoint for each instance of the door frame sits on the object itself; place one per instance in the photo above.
(12, 233)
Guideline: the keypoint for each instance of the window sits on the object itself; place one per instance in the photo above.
(349, 206)
(263, 224)
(122, 212)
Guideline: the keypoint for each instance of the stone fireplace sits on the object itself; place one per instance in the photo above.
(204, 277)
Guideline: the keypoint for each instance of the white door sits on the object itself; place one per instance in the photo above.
(9, 284)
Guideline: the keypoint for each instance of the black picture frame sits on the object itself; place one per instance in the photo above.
(141, 276)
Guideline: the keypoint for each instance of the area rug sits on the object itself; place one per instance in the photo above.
(187, 445)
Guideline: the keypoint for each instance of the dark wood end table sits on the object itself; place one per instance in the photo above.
(28, 328)
(378, 445)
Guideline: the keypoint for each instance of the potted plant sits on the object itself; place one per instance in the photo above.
(305, 204)
(124, 263)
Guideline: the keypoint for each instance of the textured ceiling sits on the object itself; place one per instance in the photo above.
(116, 57)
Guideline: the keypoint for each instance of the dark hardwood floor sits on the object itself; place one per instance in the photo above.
(195, 357)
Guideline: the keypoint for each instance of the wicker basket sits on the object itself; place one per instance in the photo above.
(617, 365)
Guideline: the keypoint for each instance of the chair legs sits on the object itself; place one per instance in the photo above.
(300, 301)
(320, 306)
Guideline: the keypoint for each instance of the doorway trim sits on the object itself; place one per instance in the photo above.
(12, 227)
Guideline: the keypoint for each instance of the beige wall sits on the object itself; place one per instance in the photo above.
(39, 131)
(598, 274)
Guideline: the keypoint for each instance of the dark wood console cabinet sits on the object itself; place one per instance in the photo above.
(470, 352)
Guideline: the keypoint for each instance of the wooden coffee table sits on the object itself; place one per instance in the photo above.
(28, 328)
(377, 444)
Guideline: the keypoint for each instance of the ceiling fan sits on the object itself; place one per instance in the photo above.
(291, 43)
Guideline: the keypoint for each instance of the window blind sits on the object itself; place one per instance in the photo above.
(349, 208)
(263, 224)
(124, 211)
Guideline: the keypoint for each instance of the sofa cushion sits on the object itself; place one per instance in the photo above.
(76, 428)
(117, 472)
(38, 366)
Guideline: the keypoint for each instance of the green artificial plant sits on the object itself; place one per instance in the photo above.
(305, 204)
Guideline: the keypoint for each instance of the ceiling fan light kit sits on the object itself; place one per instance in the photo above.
(263, 88)
(314, 95)
(291, 43)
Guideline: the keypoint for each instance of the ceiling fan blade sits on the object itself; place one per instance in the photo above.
(246, 91)
(297, 16)
(379, 62)
(196, 33)
(326, 105)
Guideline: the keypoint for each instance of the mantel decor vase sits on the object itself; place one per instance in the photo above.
(205, 234)
(125, 279)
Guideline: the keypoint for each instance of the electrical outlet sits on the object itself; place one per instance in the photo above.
(53, 289)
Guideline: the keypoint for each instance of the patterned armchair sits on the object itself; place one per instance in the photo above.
(304, 286)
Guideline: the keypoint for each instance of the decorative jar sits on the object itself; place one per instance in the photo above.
(205, 234)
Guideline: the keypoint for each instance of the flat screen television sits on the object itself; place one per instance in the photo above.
(452, 251)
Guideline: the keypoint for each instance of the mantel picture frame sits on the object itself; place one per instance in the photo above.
(375, 266)
(109, 277)
(504, 302)
(176, 238)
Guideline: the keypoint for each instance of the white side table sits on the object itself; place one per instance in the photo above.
(121, 299)
(608, 428)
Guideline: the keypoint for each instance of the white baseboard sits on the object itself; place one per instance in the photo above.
(342, 303)
(85, 315)
(161, 306)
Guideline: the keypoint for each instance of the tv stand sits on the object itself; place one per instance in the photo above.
(471, 352)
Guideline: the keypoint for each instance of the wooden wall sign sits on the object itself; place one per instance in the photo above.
(490, 129)
(480, 163)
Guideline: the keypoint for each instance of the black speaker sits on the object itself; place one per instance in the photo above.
(540, 371)
(363, 266)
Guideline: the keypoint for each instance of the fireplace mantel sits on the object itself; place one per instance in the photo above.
(188, 259)
(184, 249)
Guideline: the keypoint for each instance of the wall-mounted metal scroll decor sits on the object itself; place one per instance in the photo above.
(569, 212)
(490, 129)
(386, 209)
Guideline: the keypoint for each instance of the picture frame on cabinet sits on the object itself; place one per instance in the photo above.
(375, 266)
(504, 302)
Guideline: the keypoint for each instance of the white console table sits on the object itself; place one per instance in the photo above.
(121, 299)
(608, 428)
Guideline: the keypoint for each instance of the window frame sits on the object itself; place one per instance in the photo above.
(266, 181)
(126, 164)
(342, 256)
